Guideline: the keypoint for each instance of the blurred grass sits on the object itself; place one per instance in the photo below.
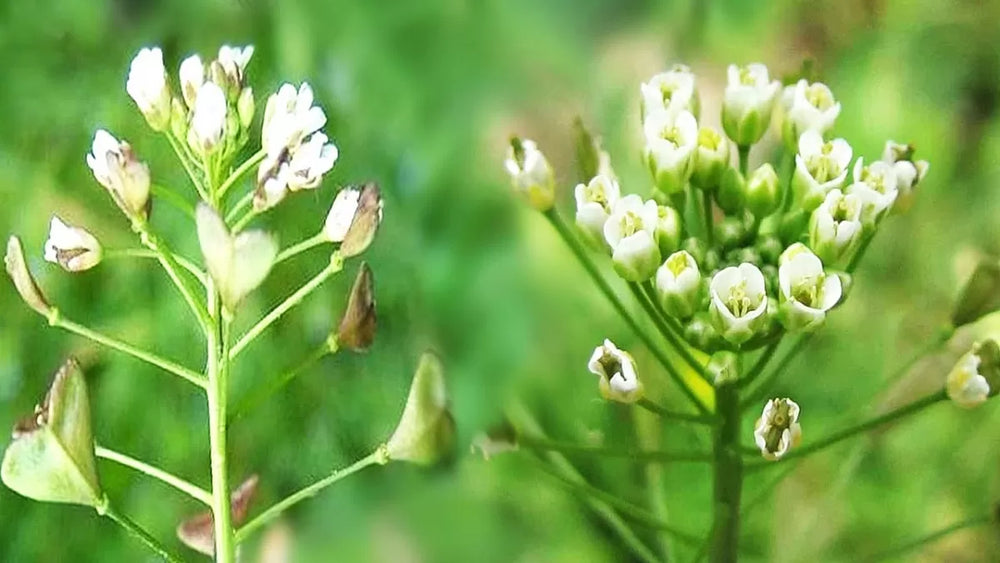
(421, 97)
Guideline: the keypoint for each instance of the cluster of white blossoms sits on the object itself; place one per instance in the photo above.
(735, 255)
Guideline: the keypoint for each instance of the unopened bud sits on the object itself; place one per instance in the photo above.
(530, 174)
(980, 296)
(762, 191)
(711, 159)
(732, 195)
(723, 368)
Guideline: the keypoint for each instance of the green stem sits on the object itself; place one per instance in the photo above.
(744, 159)
(139, 533)
(301, 247)
(174, 199)
(378, 457)
(56, 320)
(727, 484)
(188, 265)
(542, 444)
(241, 205)
(856, 259)
(567, 236)
(931, 538)
(766, 490)
(764, 385)
(759, 365)
(940, 339)
(908, 409)
(335, 265)
(181, 485)
(709, 218)
(186, 162)
(242, 222)
(255, 400)
(239, 172)
(217, 386)
(170, 265)
(646, 296)
(674, 415)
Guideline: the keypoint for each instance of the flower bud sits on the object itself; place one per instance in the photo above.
(192, 76)
(762, 191)
(237, 264)
(730, 232)
(701, 334)
(51, 456)
(698, 249)
(669, 149)
(116, 167)
(875, 186)
(808, 107)
(980, 296)
(748, 101)
(233, 62)
(668, 229)
(531, 174)
(909, 172)
(426, 430)
(245, 107)
(770, 248)
(594, 202)
(806, 291)
(356, 331)
(820, 166)
(777, 430)
(147, 85)
(710, 160)
(616, 369)
(591, 159)
(178, 119)
(732, 195)
(73, 248)
(835, 227)
(630, 232)
(198, 532)
(976, 376)
(669, 92)
(723, 368)
(739, 302)
(363, 209)
(24, 282)
(678, 283)
(208, 119)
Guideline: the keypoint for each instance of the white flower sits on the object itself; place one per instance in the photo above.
(749, 99)
(300, 169)
(820, 166)
(835, 227)
(965, 386)
(711, 157)
(117, 169)
(345, 212)
(594, 201)
(147, 85)
(233, 61)
(530, 174)
(678, 282)
(806, 291)
(630, 232)
(208, 121)
(671, 92)
(777, 430)
(237, 264)
(289, 117)
(670, 142)
(808, 107)
(909, 172)
(192, 76)
(616, 368)
(739, 302)
(73, 248)
(875, 185)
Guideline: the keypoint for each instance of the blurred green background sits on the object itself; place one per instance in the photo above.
(422, 96)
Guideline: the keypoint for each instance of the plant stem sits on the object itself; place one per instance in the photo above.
(542, 444)
(256, 399)
(188, 265)
(378, 457)
(239, 172)
(300, 247)
(907, 409)
(930, 538)
(674, 415)
(764, 385)
(709, 218)
(173, 198)
(581, 256)
(727, 485)
(56, 320)
(186, 162)
(242, 204)
(744, 151)
(181, 485)
(170, 265)
(138, 532)
(666, 325)
(335, 265)
(759, 365)
(217, 398)
(764, 491)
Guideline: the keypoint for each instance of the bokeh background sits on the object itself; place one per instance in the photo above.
(422, 97)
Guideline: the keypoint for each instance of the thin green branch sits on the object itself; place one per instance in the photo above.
(188, 265)
(56, 320)
(217, 396)
(335, 265)
(174, 199)
(241, 205)
(553, 216)
(542, 444)
(674, 415)
(256, 399)
(239, 172)
(759, 365)
(744, 153)
(645, 294)
(907, 409)
(378, 457)
(764, 385)
(181, 485)
(300, 247)
(930, 538)
(169, 262)
(187, 162)
(139, 533)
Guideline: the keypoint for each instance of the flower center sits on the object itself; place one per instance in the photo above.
(672, 135)
(708, 139)
(747, 78)
(808, 289)
(677, 264)
(596, 193)
(842, 210)
(876, 180)
(819, 96)
(739, 303)
(667, 92)
(611, 365)
(822, 167)
(631, 223)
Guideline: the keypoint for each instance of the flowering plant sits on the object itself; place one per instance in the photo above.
(730, 261)
(208, 118)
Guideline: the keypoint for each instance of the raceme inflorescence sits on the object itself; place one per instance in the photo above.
(729, 261)
(208, 118)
